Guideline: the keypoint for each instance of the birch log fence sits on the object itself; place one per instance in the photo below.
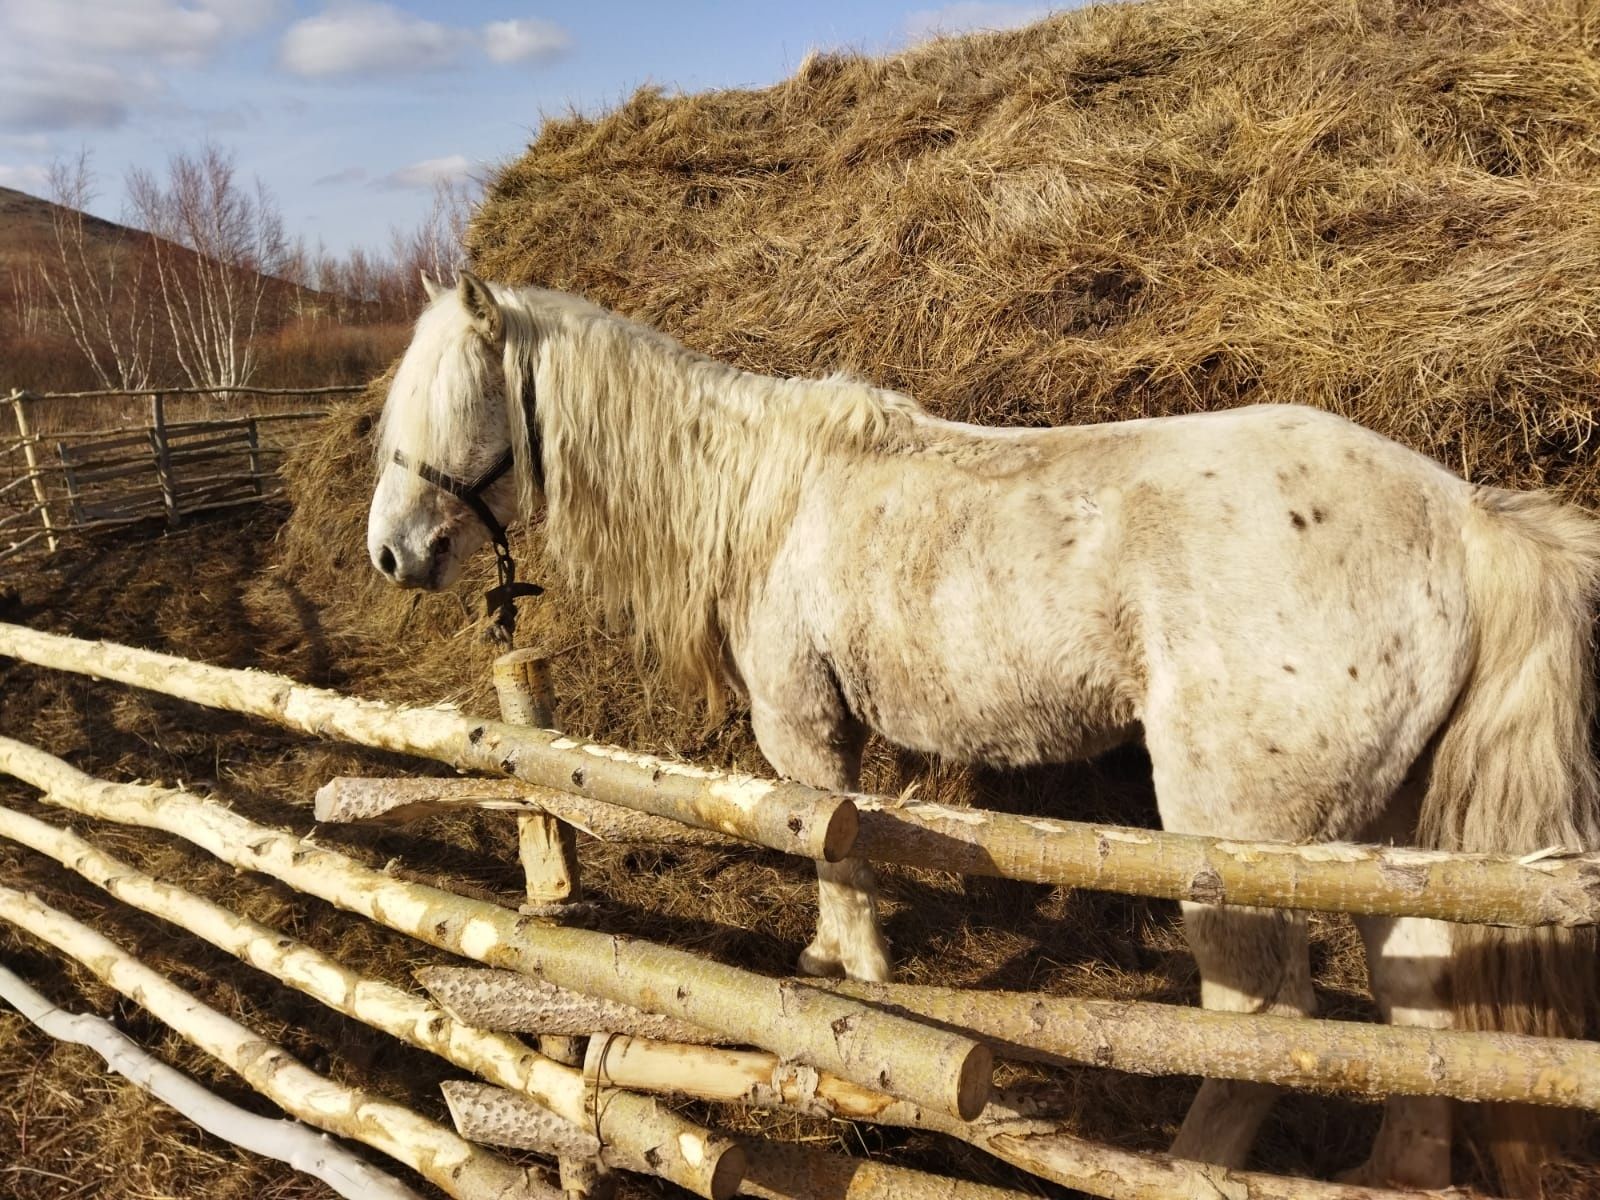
(78, 462)
(620, 1021)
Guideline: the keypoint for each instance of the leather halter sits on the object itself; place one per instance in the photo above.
(500, 601)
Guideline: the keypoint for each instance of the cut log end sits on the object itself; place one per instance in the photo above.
(727, 1176)
(839, 838)
(974, 1082)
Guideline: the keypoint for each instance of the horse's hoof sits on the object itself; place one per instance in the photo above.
(819, 964)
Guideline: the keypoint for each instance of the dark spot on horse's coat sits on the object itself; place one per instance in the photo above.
(1318, 515)
(475, 735)
(1354, 674)
(1272, 749)
(577, 777)
(1069, 543)
(1287, 667)
(1302, 469)
(1299, 521)
(1208, 474)
(795, 824)
(508, 765)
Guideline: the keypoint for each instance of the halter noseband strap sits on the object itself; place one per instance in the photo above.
(500, 600)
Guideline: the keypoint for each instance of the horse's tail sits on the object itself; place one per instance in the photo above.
(1514, 772)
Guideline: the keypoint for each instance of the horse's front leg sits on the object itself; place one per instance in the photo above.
(812, 738)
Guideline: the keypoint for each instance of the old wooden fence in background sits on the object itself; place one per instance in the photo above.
(655, 1016)
(73, 463)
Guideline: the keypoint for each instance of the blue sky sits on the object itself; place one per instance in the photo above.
(348, 111)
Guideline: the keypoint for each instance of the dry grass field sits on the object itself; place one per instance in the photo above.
(1389, 208)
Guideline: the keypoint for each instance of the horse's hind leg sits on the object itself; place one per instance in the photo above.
(1251, 960)
(1408, 967)
(1408, 962)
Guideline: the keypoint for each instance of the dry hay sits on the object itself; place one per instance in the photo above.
(1387, 209)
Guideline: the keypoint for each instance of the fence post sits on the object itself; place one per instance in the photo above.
(19, 405)
(158, 444)
(254, 438)
(549, 853)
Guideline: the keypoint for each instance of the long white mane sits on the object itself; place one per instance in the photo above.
(669, 478)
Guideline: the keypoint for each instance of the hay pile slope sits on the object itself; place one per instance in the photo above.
(1390, 208)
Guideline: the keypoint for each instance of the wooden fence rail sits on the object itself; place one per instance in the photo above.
(663, 1020)
(1545, 889)
(90, 479)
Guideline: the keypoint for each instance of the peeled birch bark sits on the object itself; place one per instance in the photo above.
(1546, 889)
(1137, 1036)
(832, 1033)
(291, 1142)
(753, 1077)
(347, 799)
(411, 1019)
(784, 816)
(455, 1166)
(516, 1003)
(497, 1117)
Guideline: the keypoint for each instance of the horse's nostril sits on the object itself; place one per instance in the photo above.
(386, 561)
(439, 547)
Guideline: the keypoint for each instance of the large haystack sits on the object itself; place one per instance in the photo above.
(1390, 208)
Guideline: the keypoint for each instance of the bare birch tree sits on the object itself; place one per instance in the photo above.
(219, 252)
(99, 291)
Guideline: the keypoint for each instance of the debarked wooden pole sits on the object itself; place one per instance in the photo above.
(945, 1071)
(782, 815)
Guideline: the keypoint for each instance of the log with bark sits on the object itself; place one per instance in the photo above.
(784, 816)
(1554, 888)
(676, 1149)
(439, 1155)
(1140, 1037)
(905, 1058)
(1015, 1128)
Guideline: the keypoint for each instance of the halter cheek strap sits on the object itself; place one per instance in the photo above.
(501, 600)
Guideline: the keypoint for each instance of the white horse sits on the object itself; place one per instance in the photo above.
(1321, 634)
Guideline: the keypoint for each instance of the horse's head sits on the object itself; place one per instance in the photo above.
(453, 443)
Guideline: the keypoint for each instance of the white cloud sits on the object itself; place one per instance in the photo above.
(526, 39)
(925, 23)
(454, 168)
(348, 175)
(166, 30)
(367, 38)
(29, 178)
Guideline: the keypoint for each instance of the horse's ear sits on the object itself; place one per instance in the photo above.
(482, 308)
(434, 290)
